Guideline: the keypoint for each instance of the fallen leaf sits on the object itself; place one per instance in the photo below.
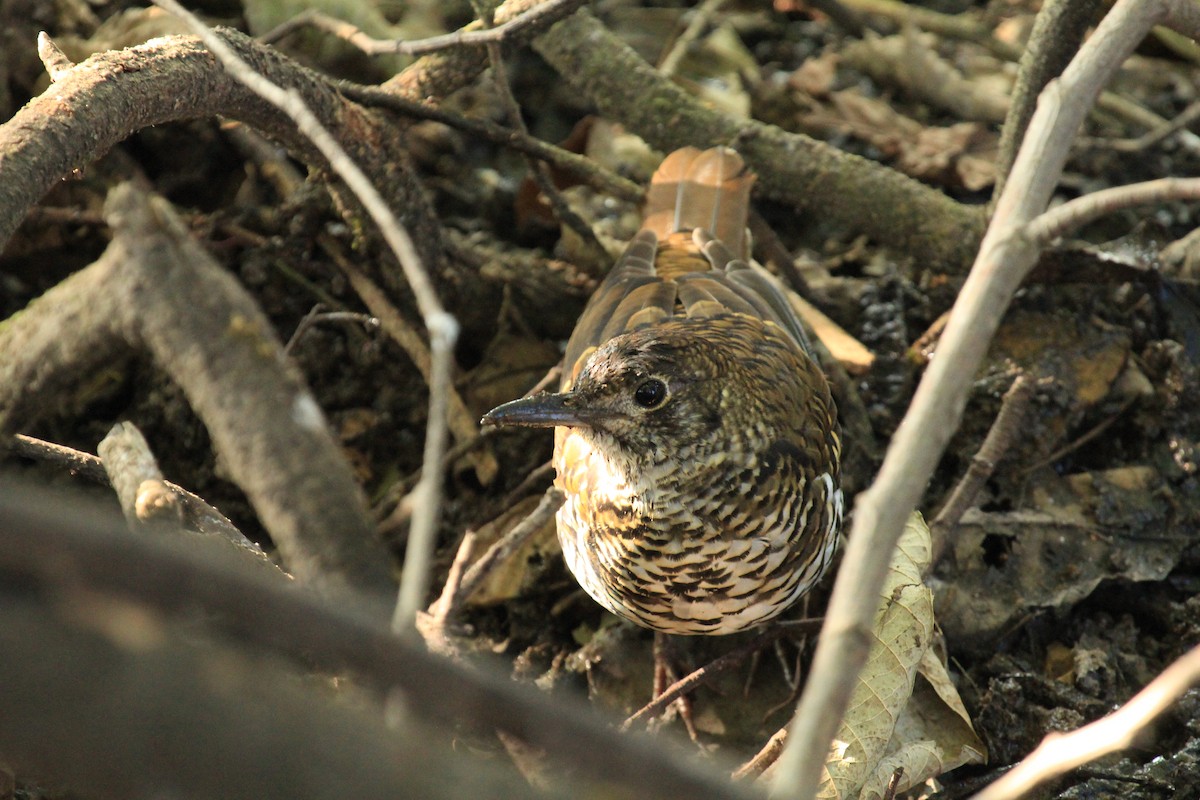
(905, 711)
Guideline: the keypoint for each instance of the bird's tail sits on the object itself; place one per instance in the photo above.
(707, 189)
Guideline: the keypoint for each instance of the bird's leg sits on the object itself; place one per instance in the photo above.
(665, 695)
(665, 679)
(664, 675)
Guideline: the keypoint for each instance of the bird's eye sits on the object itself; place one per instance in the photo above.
(650, 394)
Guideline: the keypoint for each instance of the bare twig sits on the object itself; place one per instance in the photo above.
(53, 59)
(1076, 213)
(536, 477)
(535, 18)
(1062, 752)
(954, 26)
(1150, 137)
(199, 516)
(208, 335)
(75, 461)
(133, 472)
(764, 758)
(1004, 259)
(271, 159)
(460, 419)
(104, 100)
(767, 241)
(999, 438)
(500, 552)
(318, 314)
(701, 17)
(592, 251)
(707, 672)
(443, 329)
(580, 167)
(446, 605)
(889, 793)
(1082, 439)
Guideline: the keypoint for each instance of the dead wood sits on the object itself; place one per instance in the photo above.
(111, 95)
(792, 168)
(73, 550)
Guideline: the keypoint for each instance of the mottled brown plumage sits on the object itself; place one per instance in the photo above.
(696, 439)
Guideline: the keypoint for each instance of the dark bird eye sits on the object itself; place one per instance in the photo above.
(650, 394)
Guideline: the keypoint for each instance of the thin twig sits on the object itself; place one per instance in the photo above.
(701, 17)
(539, 16)
(1083, 439)
(890, 792)
(74, 461)
(707, 672)
(541, 173)
(460, 419)
(1147, 139)
(500, 551)
(199, 516)
(318, 314)
(1061, 752)
(776, 252)
(443, 328)
(536, 476)
(999, 439)
(580, 167)
(954, 26)
(447, 603)
(55, 61)
(764, 758)
(146, 500)
(1076, 213)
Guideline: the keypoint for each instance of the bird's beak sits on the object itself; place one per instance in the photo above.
(540, 411)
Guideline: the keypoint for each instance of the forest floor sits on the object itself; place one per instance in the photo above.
(1072, 579)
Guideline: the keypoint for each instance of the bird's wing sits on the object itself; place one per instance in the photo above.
(630, 296)
(745, 288)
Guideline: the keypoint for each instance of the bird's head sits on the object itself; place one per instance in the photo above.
(682, 387)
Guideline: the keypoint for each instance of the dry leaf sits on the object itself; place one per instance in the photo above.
(714, 69)
(902, 630)
(816, 76)
(1080, 530)
(889, 724)
(932, 736)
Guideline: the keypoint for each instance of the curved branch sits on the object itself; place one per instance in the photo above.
(110, 96)
(1059, 753)
(209, 335)
(75, 550)
(1006, 256)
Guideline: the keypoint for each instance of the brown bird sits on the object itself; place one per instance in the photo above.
(696, 439)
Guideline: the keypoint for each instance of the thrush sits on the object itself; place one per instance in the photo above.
(696, 440)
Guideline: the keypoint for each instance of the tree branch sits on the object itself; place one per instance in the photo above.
(72, 550)
(108, 97)
(792, 168)
(1005, 257)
